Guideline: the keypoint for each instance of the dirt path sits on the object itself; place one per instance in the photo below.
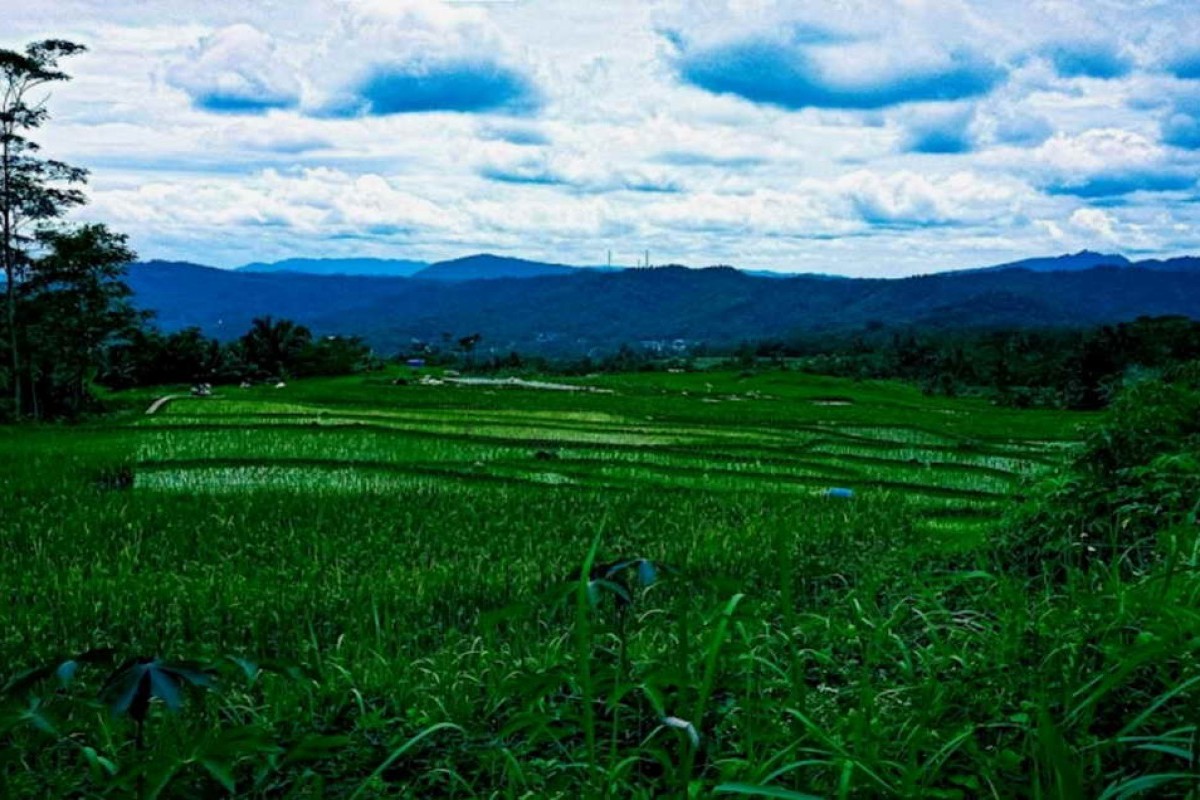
(162, 401)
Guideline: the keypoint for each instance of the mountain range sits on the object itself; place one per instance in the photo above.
(483, 266)
(1087, 259)
(556, 309)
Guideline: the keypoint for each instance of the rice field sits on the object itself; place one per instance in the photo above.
(415, 550)
(722, 435)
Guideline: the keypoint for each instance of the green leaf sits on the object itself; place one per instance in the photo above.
(400, 751)
(248, 668)
(754, 790)
(221, 773)
(99, 764)
(1145, 783)
(315, 747)
(596, 587)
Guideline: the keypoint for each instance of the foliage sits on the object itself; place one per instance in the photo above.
(595, 312)
(1079, 369)
(271, 345)
(685, 616)
(33, 189)
(270, 350)
(73, 306)
(1139, 475)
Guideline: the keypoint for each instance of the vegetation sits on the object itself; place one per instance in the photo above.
(759, 582)
(593, 311)
(1067, 368)
(351, 588)
(33, 191)
(271, 350)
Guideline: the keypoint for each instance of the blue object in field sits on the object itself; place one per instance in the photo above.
(416, 363)
(838, 492)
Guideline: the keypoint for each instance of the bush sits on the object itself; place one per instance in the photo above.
(1138, 473)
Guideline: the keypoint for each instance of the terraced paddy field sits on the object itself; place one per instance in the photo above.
(408, 545)
(719, 434)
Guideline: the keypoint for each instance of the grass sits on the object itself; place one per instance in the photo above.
(427, 581)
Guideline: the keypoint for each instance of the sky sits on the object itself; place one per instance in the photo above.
(854, 137)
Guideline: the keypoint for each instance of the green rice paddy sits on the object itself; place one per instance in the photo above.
(408, 547)
(722, 434)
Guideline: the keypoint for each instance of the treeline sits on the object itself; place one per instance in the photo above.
(625, 359)
(1076, 369)
(271, 350)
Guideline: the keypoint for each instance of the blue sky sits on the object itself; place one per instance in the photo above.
(858, 137)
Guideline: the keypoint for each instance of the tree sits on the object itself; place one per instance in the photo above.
(149, 358)
(333, 355)
(74, 306)
(32, 189)
(467, 345)
(274, 347)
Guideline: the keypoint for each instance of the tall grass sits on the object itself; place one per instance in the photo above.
(421, 618)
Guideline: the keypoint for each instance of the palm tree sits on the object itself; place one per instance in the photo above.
(273, 346)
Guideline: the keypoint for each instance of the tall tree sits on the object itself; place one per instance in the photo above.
(32, 189)
(273, 347)
(74, 305)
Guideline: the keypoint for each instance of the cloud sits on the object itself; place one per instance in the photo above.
(940, 131)
(859, 204)
(1096, 222)
(1109, 162)
(793, 76)
(1020, 129)
(320, 201)
(416, 56)
(531, 171)
(1185, 66)
(266, 135)
(1182, 130)
(452, 85)
(1181, 126)
(692, 158)
(515, 134)
(579, 171)
(1125, 182)
(874, 174)
(236, 70)
(1088, 59)
(907, 198)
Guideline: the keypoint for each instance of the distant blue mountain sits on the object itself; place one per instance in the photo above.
(1074, 262)
(486, 266)
(600, 309)
(1181, 264)
(393, 267)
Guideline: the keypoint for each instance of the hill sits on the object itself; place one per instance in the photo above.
(340, 266)
(596, 311)
(486, 266)
(1182, 264)
(1073, 262)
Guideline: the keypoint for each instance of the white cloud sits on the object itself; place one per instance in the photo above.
(236, 69)
(909, 198)
(617, 150)
(1096, 150)
(1096, 222)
